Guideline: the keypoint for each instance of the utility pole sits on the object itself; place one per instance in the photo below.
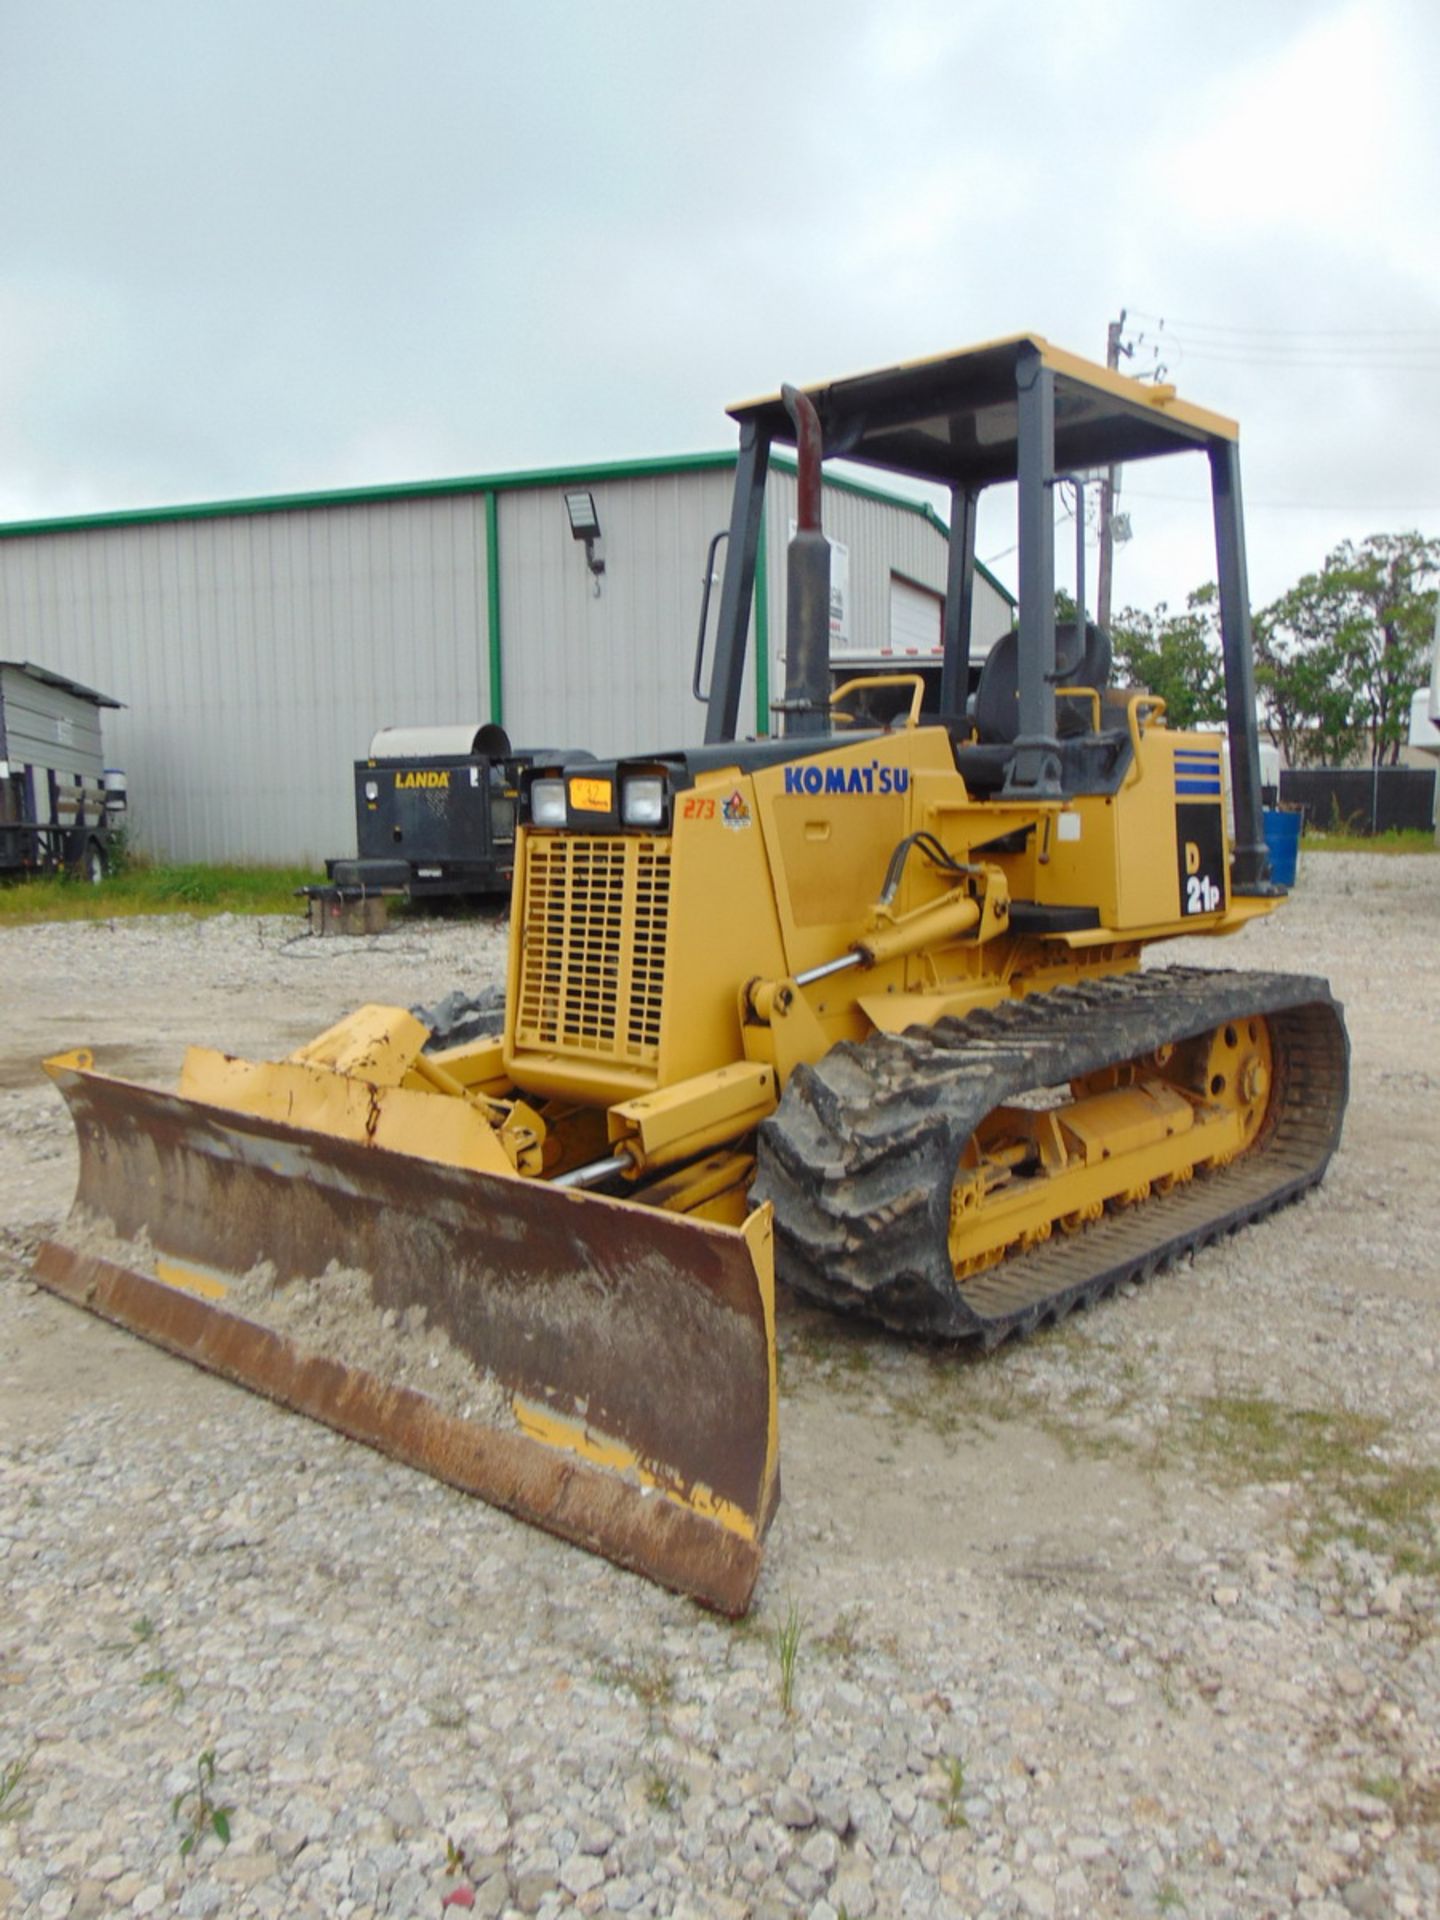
(1109, 488)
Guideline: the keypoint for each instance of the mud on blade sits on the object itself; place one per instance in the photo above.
(625, 1390)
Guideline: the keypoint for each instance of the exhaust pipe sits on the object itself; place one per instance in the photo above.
(806, 705)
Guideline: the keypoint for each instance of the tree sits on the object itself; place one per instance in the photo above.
(1175, 655)
(1338, 656)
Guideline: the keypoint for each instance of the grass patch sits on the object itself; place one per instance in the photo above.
(1384, 1507)
(956, 1395)
(1259, 1440)
(1411, 1803)
(1398, 840)
(141, 890)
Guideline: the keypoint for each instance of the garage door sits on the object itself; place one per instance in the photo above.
(916, 618)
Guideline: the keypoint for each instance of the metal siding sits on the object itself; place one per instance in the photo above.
(610, 672)
(257, 655)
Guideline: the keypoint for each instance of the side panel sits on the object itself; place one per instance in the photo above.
(1152, 855)
(429, 810)
(831, 825)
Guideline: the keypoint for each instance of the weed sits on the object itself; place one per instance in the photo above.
(164, 1677)
(746, 1626)
(1169, 1898)
(663, 1791)
(1169, 1692)
(455, 1861)
(651, 1682)
(13, 1806)
(788, 1636)
(1381, 1786)
(444, 1711)
(953, 1808)
(1410, 1804)
(141, 1630)
(842, 1639)
(197, 1811)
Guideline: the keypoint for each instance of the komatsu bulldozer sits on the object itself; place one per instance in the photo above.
(859, 1004)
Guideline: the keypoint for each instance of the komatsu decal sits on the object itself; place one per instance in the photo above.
(422, 777)
(875, 778)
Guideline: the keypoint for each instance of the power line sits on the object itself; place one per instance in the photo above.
(1406, 350)
(1421, 360)
(1290, 333)
(1298, 506)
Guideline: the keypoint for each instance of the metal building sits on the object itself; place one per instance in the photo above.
(259, 644)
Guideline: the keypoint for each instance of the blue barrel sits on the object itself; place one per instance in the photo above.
(1282, 843)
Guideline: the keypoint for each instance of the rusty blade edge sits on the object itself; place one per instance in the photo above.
(635, 1528)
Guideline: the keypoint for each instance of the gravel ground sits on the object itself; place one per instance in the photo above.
(1138, 1618)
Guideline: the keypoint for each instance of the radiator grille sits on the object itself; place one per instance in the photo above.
(592, 962)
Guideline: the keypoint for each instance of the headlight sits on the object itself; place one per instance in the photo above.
(642, 801)
(372, 790)
(547, 803)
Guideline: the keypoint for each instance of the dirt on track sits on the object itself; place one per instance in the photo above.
(1161, 1583)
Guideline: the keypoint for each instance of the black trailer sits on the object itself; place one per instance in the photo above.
(434, 819)
(60, 805)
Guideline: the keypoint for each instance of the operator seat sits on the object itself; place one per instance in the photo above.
(1079, 662)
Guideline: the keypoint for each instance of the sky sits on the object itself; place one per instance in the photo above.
(251, 248)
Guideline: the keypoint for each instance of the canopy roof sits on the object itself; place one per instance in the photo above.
(59, 680)
(954, 418)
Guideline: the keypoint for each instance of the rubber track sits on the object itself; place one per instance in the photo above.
(860, 1156)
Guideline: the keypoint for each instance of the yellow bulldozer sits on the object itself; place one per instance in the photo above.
(861, 1004)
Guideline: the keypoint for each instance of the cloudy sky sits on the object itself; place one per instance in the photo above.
(249, 247)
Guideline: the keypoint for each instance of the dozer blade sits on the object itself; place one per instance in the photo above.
(622, 1359)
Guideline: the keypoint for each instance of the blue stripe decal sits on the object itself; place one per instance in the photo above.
(1197, 786)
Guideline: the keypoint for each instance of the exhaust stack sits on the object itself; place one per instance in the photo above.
(806, 705)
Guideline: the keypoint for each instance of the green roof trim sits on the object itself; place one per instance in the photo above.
(490, 484)
(373, 496)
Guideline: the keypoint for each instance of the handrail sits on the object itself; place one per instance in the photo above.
(1154, 708)
(704, 697)
(1090, 693)
(915, 681)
